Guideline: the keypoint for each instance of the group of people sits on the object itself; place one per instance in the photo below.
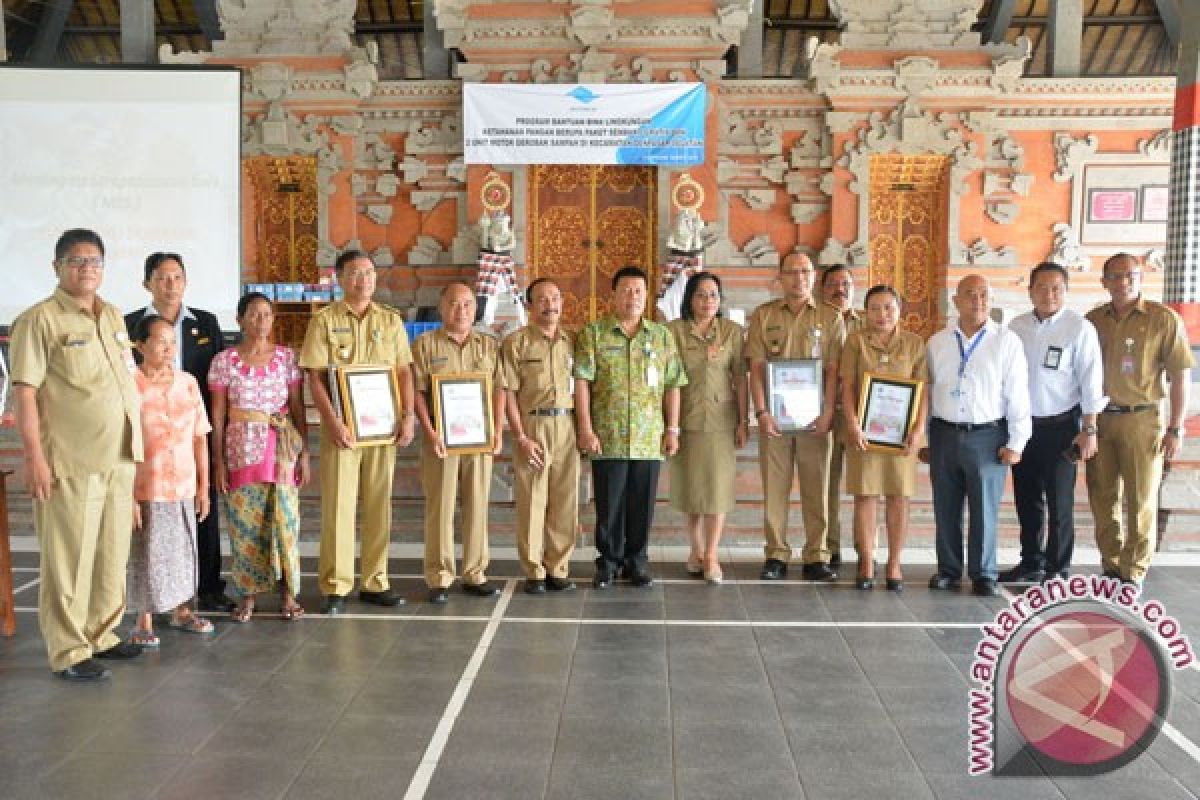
(114, 444)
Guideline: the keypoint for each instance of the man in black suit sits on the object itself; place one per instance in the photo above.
(199, 337)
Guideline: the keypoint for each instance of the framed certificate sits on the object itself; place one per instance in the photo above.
(887, 409)
(369, 400)
(795, 392)
(462, 411)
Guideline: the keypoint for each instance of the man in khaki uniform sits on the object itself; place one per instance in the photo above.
(837, 289)
(455, 348)
(72, 369)
(535, 372)
(349, 332)
(1142, 342)
(797, 326)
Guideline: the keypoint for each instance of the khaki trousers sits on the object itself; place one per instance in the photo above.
(833, 503)
(83, 529)
(1127, 462)
(548, 499)
(441, 479)
(781, 460)
(350, 479)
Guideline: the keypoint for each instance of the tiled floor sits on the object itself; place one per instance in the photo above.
(747, 690)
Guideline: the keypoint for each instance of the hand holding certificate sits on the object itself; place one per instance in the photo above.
(795, 393)
(887, 410)
(462, 412)
(369, 400)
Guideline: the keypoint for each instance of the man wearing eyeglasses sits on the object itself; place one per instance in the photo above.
(1142, 342)
(79, 420)
(199, 337)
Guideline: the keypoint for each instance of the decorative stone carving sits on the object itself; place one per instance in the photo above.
(1155, 260)
(378, 153)
(727, 169)
(292, 27)
(347, 124)
(900, 24)
(1066, 250)
(358, 185)
(824, 68)
(1157, 146)
(982, 254)
(804, 213)
(774, 170)
(414, 169)
(496, 233)
(425, 138)
(281, 133)
(427, 250)
(326, 254)
(834, 252)
(1008, 63)
(387, 185)
(361, 78)
(270, 80)
(916, 74)
(685, 234)
(427, 201)
(591, 22)
(383, 257)
(593, 66)
(1003, 212)
(1070, 153)
(456, 170)
(380, 213)
(740, 138)
(732, 18)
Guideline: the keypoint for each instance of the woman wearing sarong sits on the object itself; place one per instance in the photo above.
(259, 435)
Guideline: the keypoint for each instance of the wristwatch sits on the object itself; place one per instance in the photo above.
(1090, 430)
(1176, 432)
(674, 430)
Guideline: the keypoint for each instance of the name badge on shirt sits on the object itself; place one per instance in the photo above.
(652, 375)
(1127, 359)
(1053, 357)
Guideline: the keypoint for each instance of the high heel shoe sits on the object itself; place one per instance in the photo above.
(895, 584)
(865, 583)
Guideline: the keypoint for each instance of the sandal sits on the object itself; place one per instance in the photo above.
(147, 639)
(191, 624)
(292, 612)
(695, 567)
(243, 612)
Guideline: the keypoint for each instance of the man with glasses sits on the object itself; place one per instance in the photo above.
(1142, 342)
(356, 331)
(796, 326)
(199, 336)
(79, 420)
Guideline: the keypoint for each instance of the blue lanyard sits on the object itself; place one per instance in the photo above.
(965, 353)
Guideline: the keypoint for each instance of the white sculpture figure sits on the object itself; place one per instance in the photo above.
(495, 232)
(685, 236)
(1067, 250)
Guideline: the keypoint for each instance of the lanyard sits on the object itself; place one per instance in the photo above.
(965, 353)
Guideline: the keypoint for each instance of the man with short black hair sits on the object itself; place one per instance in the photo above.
(837, 289)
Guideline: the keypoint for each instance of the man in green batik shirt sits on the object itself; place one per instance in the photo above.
(627, 379)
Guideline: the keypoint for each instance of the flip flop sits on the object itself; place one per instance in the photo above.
(191, 624)
(242, 614)
(290, 613)
(147, 639)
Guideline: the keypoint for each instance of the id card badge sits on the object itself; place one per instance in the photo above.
(1053, 357)
(652, 375)
(571, 375)
(1127, 364)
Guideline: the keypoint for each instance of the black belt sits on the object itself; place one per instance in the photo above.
(550, 412)
(1112, 408)
(1066, 416)
(971, 426)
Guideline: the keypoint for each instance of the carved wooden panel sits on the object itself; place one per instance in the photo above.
(907, 234)
(585, 223)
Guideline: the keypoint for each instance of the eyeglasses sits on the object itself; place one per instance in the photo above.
(1124, 276)
(79, 262)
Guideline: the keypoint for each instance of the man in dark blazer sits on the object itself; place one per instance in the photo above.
(199, 337)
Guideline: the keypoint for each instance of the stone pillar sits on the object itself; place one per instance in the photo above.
(137, 32)
(435, 60)
(1065, 30)
(750, 52)
(1182, 283)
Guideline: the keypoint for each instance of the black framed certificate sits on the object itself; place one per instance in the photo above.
(462, 411)
(369, 400)
(795, 392)
(887, 409)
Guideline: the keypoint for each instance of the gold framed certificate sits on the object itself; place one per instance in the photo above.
(795, 392)
(462, 411)
(369, 400)
(887, 409)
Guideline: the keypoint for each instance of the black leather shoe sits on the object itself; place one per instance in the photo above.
(484, 589)
(386, 598)
(85, 671)
(640, 579)
(1022, 574)
(535, 587)
(818, 572)
(773, 570)
(1052, 574)
(603, 578)
(439, 595)
(121, 651)
(555, 584)
(334, 604)
(214, 601)
(835, 559)
(864, 584)
(944, 583)
(984, 587)
(895, 585)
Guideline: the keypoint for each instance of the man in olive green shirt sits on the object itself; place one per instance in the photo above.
(628, 375)
(837, 289)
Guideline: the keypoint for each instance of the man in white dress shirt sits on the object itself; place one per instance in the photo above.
(979, 423)
(1066, 387)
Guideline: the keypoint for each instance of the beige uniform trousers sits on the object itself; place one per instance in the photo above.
(443, 479)
(833, 503)
(781, 460)
(83, 529)
(352, 479)
(1127, 462)
(548, 499)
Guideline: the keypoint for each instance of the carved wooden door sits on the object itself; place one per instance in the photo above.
(585, 223)
(906, 230)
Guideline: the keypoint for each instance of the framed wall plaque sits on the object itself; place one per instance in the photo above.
(887, 409)
(795, 392)
(462, 411)
(369, 400)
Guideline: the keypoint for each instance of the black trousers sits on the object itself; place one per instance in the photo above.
(208, 546)
(1044, 489)
(625, 492)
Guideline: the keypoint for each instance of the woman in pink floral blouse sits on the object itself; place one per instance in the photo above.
(259, 435)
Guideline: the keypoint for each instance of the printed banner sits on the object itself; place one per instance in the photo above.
(656, 124)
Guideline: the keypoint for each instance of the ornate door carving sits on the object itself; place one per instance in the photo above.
(585, 223)
(907, 229)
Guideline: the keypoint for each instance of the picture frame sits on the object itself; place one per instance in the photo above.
(887, 410)
(368, 399)
(795, 392)
(462, 411)
(1112, 205)
(1155, 203)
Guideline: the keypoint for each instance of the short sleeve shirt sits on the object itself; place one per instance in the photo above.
(172, 417)
(1139, 349)
(436, 353)
(336, 336)
(902, 357)
(778, 332)
(628, 377)
(538, 368)
(713, 362)
(82, 368)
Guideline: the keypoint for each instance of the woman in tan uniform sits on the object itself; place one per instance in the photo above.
(880, 348)
(713, 418)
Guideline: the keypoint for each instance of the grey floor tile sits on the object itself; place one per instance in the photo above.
(823, 749)
(616, 701)
(598, 636)
(966, 787)
(377, 736)
(231, 778)
(326, 778)
(1116, 786)
(458, 780)
(721, 784)
(123, 775)
(857, 784)
(582, 783)
(620, 746)
(736, 746)
(405, 694)
(163, 728)
(700, 705)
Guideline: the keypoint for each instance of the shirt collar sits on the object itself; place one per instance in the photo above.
(69, 303)
(184, 313)
(614, 325)
(988, 325)
(1139, 306)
